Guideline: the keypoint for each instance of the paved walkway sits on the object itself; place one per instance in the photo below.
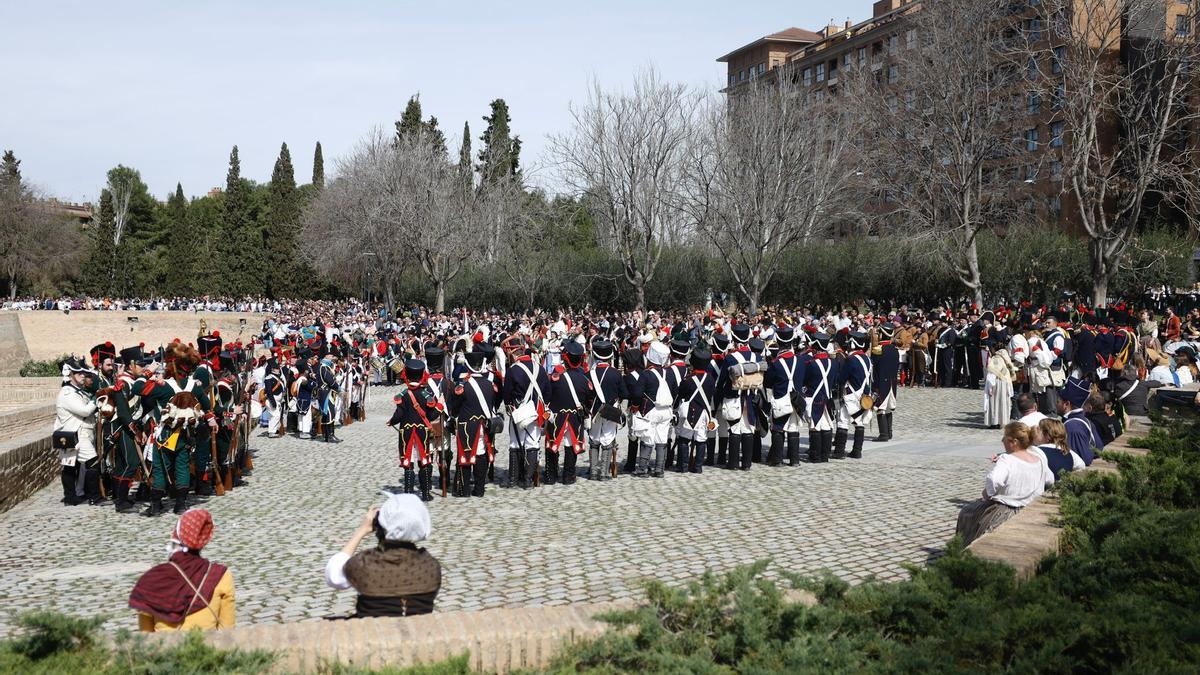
(550, 546)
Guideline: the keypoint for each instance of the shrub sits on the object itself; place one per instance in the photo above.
(1123, 596)
(51, 368)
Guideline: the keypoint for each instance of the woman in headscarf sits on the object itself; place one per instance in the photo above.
(396, 578)
(187, 591)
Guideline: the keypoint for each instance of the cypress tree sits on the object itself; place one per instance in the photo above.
(318, 178)
(410, 124)
(240, 244)
(499, 158)
(180, 258)
(99, 271)
(10, 169)
(464, 156)
(282, 218)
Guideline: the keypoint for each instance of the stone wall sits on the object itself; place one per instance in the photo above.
(27, 464)
(13, 350)
(28, 389)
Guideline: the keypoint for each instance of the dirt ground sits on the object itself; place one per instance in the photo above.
(51, 334)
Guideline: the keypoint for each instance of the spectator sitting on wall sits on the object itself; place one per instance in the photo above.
(396, 578)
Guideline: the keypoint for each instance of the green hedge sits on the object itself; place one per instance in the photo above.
(51, 368)
(1124, 597)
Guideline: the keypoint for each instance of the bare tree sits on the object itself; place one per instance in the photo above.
(772, 167)
(1121, 73)
(943, 145)
(28, 220)
(626, 155)
(121, 185)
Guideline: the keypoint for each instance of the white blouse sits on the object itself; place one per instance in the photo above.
(1016, 482)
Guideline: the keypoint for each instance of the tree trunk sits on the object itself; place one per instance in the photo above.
(1102, 273)
(391, 296)
(640, 292)
(752, 298)
(439, 303)
(971, 278)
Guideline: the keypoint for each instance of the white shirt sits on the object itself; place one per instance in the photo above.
(1031, 420)
(1016, 482)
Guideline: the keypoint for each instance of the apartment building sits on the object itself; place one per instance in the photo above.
(1032, 165)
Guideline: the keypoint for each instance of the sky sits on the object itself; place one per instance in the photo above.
(169, 87)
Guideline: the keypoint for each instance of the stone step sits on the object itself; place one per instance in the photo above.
(21, 419)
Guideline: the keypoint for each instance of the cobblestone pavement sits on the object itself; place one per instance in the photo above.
(549, 546)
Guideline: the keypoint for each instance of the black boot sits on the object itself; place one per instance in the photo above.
(181, 500)
(826, 445)
(643, 460)
(204, 487)
(121, 496)
(775, 454)
(734, 459)
(156, 506)
(514, 468)
(682, 454)
(482, 466)
(550, 475)
(461, 480)
(568, 475)
(881, 421)
(839, 443)
(327, 431)
(70, 476)
(891, 418)
(814, 447)
(425, 475)
(756, 443)
(722, 451)
(793, 447)
(701, 450)
(856, 450)
(410, 481)
(531, 467)
(710, 451)
(91, 482)
(748, 449)
(631, 457)
(671, 451)
(660, 460)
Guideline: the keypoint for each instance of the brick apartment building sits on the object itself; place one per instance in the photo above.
(814, 60)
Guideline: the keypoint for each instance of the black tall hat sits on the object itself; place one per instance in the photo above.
(680, 347)
(886, 330)
(821, 339)
(741, 332)
(573, 353)
(132, 355)
(209, 345)
(227, 361)
(414, 370)
(602, 350)
(858, 339)
(784, 335)
(720, 341)
(475, 360)
(757, 345)
(101, 352)
(700, 358)
(435, 358)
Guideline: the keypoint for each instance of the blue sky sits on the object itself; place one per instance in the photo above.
(170, 87)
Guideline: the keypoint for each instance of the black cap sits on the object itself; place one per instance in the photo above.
(227, 361)
(414, 370)
(132, 355)
(821, 339)
(573, 353)
(886, 329)
(720, 341)
(700, 358)
(435, 358)
(757, 345)
(475, 360)
(208, 345)
(741, 332)
(858, 339)
(784, 335)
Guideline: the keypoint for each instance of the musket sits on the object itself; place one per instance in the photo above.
(218, 482)
(100, 454)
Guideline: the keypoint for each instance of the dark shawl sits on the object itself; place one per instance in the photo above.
(165, 595)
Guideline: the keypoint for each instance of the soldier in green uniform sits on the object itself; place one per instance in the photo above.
(173, 447)
(99, 469)
(209, 347)
(126, 425)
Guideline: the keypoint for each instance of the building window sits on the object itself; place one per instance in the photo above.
(891, 104)
(910, 100)
(807, 76)
(1056, 65)
(1030, 173)
(910, 38)
(1055, 170)
(1032, 72)
(862, 55)
(846, 60)
(732, 79)
(1031, 139)
(762, 68)
(1056, 135)
(893, 43)
(1033, 30)
(820, 72)
(743, 75)
(1033, 103)
(893, 74)
(1060, 97)
(1181, 26)
(1056, 206)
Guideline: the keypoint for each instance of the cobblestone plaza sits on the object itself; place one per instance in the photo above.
(549, 546)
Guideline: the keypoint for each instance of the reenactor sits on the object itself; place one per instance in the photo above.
(694, 409)
(605, 413)
(417, 410)
(569, 400)
(856, 382)
(884, 379)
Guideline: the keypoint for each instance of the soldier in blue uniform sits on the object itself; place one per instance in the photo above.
(417, 411)
(605, 413)
(885, 371)
(472, 403)
(633, 362)
(856, 380)
(524, 392)
(1083, 438)
(718, 444)
(947, 338)
(326, 388)
(694, 408)
(676, 372)
(781, 381)
(820, 379)
(737, 404)
(570, 401)
(652, 413)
